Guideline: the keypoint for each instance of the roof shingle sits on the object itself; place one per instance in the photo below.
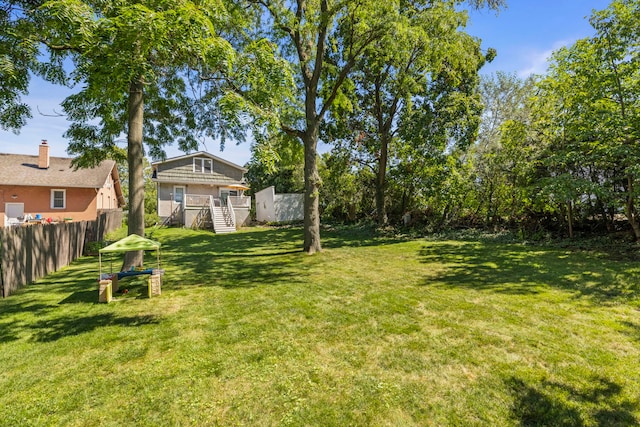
(18, 169)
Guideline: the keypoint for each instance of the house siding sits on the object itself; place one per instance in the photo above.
(227, 170)
(181, 171)
(81, 203)
(107, 198)
(165, 195)
(165, 198)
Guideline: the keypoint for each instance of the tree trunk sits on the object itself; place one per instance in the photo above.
(570, 217)
(136, 177)
(311, 193)
(488, 218)
(631, 209)
(381, 211)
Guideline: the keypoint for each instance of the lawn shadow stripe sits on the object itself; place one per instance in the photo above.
(525, 270)
(57, 328)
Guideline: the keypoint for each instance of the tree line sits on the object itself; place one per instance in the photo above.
(553, 153)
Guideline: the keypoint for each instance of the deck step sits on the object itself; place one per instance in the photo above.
(220, 225)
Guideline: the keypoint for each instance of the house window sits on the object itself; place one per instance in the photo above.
(58, 199)
(178, 194)
(202, 165)
(224, 194)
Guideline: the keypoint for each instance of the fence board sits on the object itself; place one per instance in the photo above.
(29, 253)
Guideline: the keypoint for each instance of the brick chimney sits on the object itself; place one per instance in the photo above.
(43, 155)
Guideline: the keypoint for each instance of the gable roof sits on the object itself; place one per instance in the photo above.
(201, 154)
(18, 169)
(179, 170)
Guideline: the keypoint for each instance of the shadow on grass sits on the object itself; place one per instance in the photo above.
(22, 313)
(7, 332)
(82, 296)
(355, 236)
(632, 329)
(54, 329)
(552, 404)
(250, 258)
(253, 257)
(516, 269)
(235, 260)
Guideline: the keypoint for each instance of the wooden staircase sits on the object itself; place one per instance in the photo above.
(175, 218)
(217, 215)
(223, 220)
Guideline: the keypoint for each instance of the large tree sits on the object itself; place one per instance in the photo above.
(131, 59)
(315, 36)
(589, 114)
(496, 157)
(415, 87)
(18, 54)
(324, 40)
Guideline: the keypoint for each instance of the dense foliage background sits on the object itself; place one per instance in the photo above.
(417, 136)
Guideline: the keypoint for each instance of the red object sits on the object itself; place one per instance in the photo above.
(49, 220)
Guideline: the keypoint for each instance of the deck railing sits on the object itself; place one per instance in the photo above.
(240, 201)
(196, 200)
(231, 216)
(191, 200)
(212, 211)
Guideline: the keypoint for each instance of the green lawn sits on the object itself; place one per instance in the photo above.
(371, 332)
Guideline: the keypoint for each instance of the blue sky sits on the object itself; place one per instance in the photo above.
(528, 31)
(524, 34)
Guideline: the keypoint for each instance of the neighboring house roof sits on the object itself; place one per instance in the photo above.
(19, 169)
(183, 174)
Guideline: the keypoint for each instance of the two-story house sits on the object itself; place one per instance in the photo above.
(201, 190)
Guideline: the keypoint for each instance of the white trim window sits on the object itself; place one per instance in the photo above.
(58, 198)
(178, 193)
(202, 165)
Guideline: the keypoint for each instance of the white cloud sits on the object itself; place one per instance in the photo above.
(537, 62)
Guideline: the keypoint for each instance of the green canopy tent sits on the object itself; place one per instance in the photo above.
(132, 242)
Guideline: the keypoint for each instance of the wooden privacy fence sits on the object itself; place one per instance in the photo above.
(29, 253)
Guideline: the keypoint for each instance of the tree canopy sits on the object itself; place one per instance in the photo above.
(392, 88)
(132, 60)
(325, 42)
(18, 56)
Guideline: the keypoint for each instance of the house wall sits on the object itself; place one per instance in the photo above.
(190, 215)
(228, 171)
(81, 203)
(272, 207)
(243, 217)
(289, 207)
(265, 209)
(165, 195)
(164, 200)
(107, 197)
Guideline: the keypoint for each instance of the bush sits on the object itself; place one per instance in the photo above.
(151, 219)
(92, 248)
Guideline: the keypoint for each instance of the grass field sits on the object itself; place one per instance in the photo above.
(374, 331)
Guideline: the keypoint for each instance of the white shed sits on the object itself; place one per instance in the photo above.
(272, 207)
